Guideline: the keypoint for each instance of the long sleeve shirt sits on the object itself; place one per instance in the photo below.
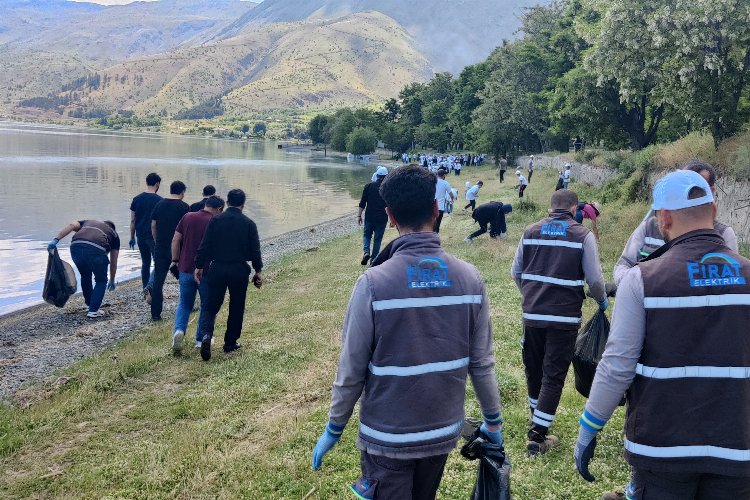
(230, 237)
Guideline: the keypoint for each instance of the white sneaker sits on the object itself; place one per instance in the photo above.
(177, 340)
(503, 236)
(96, 314)
(468, 240)
(197, 344)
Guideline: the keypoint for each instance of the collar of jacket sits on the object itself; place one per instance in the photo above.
(699, 234)
(423, 240)
(561, 213)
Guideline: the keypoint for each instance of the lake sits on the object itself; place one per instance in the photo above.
(51, 176)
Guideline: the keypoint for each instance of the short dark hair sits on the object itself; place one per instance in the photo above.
(441, 172)
(209, 190)
(177, 187)
(480, 183)
(153, 179)
(110, 224)
(236, 198)
(409, 193)
(214, 202)
(701, 166)
(698, 212)
(563, 199)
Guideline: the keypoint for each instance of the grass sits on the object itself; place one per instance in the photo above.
(137, 422)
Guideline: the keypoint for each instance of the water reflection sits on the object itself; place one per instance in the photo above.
(50, 176)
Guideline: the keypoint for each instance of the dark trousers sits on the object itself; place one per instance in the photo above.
(373, 232)
(502, 175)
(91, 261)
(472, 204)
(162, 261)
(436, 226)
(521, 189)
(688, 486)
(146, 248)
(496, 227)
(531, 173)
(547, 354)
(223, 276)
(401, 479)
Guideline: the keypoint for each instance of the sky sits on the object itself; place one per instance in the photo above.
(123, 2)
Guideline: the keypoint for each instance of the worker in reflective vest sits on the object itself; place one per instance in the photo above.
(680, 343)
(554, 260)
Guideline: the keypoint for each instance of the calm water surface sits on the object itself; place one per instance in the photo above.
(50, 176)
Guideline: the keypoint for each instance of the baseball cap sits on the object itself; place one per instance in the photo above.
(381, 171)
(518, 172)
(671, 191)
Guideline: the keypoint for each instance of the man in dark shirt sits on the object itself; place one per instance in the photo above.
(141, 209)
(231, 240)
(375, 216)
(492, 214)
(208, 191)
(187, 239)
(167, 214)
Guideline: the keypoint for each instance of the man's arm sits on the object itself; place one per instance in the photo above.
(362, 204)
(132, 225)
(358, 339)
(113, 256)
(730, 239)
(255, 256)
(73, 226)
(592, 268)
(482, 364)
(153, 229)
(516, 269)
(176, 246)
(629, 257)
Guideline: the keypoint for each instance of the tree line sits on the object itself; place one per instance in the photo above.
(615, 73)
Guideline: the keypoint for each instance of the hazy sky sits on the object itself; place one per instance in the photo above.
(123, 2)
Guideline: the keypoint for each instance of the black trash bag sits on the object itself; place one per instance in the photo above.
(590, 344)
(493, 477)
(59, 282)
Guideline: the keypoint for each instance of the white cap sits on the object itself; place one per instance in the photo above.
(380, 172)
(518, 172)
(567, 165)
(671, 191)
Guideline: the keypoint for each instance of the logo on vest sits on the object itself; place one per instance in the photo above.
(715, 269)
(555, 228)
(429, 273)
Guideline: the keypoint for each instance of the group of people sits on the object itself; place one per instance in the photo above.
(204, 246)
(678, 346)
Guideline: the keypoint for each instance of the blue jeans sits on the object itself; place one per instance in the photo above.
(188, 290)
(91, 261)
(376, 229)
(146, 248)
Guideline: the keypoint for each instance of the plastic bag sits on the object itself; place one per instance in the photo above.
(59, 281)
(493, 477)
(590, 345)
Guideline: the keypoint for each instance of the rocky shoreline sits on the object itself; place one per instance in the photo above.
(37, 341)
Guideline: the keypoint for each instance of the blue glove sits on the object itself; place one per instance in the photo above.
(131, 244)
(327, 440)
(494, 437)
(111, 286)
(584, 452)
(52, 244)
(604, 304)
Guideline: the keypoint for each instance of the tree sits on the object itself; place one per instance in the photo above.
(259, 128)
(316, 128)
(245, 128)
(341, 126)
(361, 141)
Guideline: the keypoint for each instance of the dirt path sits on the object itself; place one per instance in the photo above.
(37, 341)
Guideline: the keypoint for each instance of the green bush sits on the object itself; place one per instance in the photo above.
(361, 141)
(740, 166)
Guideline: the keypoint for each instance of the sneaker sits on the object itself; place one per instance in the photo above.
(614, 495)
(503, 236)
(206, 348)
(365, 259)
(177, 340)
(232, 348)
(147, 295)
(468, 240)
(96, 314)
(534, 448)
(198, 344)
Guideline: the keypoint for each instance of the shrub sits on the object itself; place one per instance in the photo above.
(740, 166)
(692, 146)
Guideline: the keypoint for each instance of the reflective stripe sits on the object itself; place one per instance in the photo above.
(447, 300)
(700, 451)
(533, 402)
(412, 437)
(732, 299)
(553, 319)
(538, 421)
(545, 416)
(554, 281)
(409, 371)
(736, 372)
(654, 241)
(552, 243)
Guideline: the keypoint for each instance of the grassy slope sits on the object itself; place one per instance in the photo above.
(137, 422)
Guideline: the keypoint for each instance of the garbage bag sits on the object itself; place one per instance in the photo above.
(493, 477)
(590, 344)
(59, 282)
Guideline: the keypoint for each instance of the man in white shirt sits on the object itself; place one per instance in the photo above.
(522, 183)
(472, 194)
(443, 192)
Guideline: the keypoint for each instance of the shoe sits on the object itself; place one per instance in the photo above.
(232, 348)
(534, 448)
(96, 314)
(503, 236)
(468, 240)
(178, 340)
(198, 344)
(365, 259)
(147, 295)
(614, 495)
(206, 348)
(155, 318)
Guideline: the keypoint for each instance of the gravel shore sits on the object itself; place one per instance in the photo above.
(37, 341)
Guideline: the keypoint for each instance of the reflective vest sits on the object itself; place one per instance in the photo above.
(552, 280)
(655, 240)
(689, 405)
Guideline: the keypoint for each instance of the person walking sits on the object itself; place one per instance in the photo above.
(208, 191)
(501, 169)
(679, 347)
(92, 242)
(647, 237)
(492, 214)
(443, 195)
(406, 341)
(472, 194)
(375, 218)
(552, 261)
(187, 238)
(522, 183)
(531, 167)
(141, 209)
(565, 176)
(167, 214)
(231, 240)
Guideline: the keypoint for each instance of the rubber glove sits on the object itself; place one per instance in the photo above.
(52, 244)
(131, 244)
(494, 437)
(584, 452)
(111, 286)
(327, 440)
(604, 304)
